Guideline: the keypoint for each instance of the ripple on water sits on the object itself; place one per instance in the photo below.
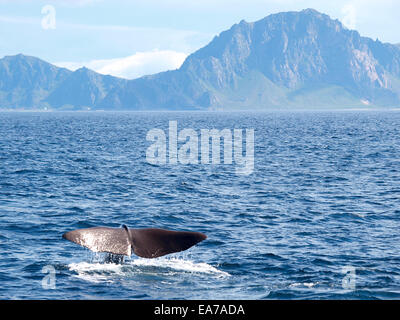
(323, 196)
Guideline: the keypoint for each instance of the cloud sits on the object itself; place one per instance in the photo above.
(349, 16)
(134, 66)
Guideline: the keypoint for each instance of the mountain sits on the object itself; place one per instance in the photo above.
(26, 81)
(83, 88)
(30, 83)
(286, 60)
(291, 59)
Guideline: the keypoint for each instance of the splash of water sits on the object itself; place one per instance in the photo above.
(98, 272)
(179, 265)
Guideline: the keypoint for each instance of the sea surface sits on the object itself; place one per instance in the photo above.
(318, 218)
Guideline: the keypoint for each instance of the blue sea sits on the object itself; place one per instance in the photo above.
(318, 218)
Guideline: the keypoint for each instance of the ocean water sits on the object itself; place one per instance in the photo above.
(319, 217)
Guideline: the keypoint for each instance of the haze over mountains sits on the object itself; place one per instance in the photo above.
(286, 60)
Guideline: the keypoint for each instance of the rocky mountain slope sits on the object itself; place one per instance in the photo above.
(286, 60)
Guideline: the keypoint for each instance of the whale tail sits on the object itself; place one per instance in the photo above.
(153, 243)
(146, 243)
(102, 239)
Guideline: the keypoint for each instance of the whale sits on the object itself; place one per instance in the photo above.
(145, 243)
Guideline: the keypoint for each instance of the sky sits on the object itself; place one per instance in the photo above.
(132, 38)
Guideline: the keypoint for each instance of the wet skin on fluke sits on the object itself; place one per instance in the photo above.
(145, 243)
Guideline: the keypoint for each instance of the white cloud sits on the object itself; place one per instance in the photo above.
(134, 66)
(349, 16)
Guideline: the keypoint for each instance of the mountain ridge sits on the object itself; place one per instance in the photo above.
(292, 59)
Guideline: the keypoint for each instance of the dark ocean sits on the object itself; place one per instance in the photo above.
(318, 218)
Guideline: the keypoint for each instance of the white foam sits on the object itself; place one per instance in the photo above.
(95, 267)
(303, 284)
(98, 272)
(179, 265)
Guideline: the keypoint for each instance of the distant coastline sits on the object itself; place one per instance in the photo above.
(287, 60)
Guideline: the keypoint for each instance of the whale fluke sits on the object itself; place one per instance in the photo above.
(153, 243)
(146, 243)
(102, 239)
